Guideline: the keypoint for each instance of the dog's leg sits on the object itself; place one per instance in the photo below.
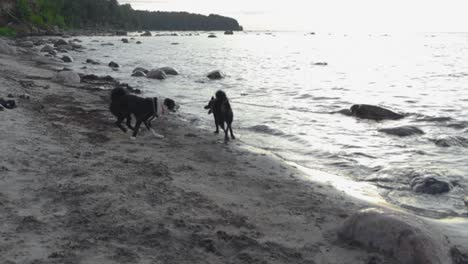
(137, 127)
(217, 128)
(129, 122)
(230, 129)
(119, 124)
(226, 138)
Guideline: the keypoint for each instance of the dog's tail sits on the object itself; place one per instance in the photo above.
(220, 95)
(118, 92)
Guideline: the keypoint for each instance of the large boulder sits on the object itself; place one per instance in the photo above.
(406, 238)
(430, 184)
(374, 112)
(156, 74)
(67, 58)
(68, 77)
(215, 75)
(169, 71)
(6, 49)
(402, 131)
(124, 40)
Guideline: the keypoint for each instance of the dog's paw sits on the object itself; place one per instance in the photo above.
(156, 134)
(133, 138)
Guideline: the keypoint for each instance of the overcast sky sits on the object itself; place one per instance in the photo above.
(328, 15)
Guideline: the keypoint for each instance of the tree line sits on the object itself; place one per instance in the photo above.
(109, 14)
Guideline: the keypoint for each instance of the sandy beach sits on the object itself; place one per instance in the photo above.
(76, 189)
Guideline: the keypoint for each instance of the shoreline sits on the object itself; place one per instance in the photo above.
(77, 189)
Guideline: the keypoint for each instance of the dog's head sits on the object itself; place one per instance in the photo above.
(170, 105)
(210, 105)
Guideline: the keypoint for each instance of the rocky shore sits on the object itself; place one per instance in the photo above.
(75, 189)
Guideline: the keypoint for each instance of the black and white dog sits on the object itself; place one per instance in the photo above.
(222, 112)
(124, 105)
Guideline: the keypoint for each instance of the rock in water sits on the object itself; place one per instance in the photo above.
(215, 75)
(430, 184)
(69, 77)
(402, 131)
(156, 74)
(114, 65)
(169, 70)
(138, 74)
(374, 112)
(404, 237)
(67, 58)
(140, 69)
(451, 141)
(60, 42)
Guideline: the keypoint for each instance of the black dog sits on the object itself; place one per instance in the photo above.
(222, 113)
(123, 105)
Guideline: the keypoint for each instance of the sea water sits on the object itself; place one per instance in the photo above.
(286, 87)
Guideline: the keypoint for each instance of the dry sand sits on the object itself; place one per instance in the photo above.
(76, 189)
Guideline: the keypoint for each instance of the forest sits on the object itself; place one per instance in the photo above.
(109, 14)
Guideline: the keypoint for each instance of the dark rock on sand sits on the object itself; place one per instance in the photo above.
(138, 42)
(67, 58)
(156, 74)
(451, 141)
(91, 61)
(405, 238)
(212, 36)
(215, 75)
(321, 63)
(138, 74)
(124, 40)
(169, 70)
(114, 65)
(8, 104)
(430, 184)
(141, 69)
(228, 32)
(402, 131)
(374, 112)
(146, 34)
